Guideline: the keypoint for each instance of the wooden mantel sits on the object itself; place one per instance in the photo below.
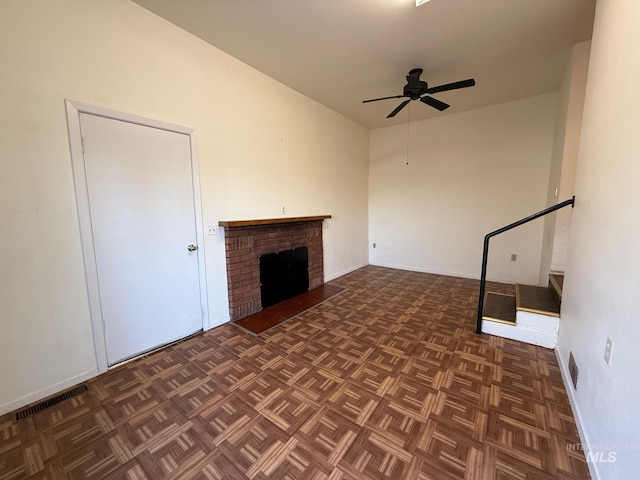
(269, 221)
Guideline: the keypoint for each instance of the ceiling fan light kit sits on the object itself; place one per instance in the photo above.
(417, 89)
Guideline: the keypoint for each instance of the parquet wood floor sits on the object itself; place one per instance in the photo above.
(384, 381)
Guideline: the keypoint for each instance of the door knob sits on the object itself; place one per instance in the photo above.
(192, 248)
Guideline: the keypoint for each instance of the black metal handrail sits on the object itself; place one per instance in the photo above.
(485, 250)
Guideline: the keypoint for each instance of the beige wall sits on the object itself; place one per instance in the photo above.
(579, 69)
(261, 146)
(468, 174)
(563, 161)
(602, 283)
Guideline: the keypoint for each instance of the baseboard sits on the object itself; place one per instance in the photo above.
(435, 271)
(48, 391)
(568, 386)
(217, 322)
(344, 272)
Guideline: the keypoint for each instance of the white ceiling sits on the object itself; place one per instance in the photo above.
(340, 52)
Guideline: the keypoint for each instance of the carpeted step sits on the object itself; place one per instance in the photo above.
(499, 307)
(534, 299)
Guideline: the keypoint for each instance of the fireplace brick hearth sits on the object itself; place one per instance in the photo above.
(246, 240)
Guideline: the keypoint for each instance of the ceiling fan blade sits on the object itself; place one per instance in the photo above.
(398, 108)
(383, 98)
(432, 102)
(452, 86)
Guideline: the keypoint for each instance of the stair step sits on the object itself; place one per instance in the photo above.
(499, 307)
(556, 281)
(534, 299)
(523, 333)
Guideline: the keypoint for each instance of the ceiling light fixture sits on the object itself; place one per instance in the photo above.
(420, 2)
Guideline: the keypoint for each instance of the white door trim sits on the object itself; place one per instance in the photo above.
(74, 109)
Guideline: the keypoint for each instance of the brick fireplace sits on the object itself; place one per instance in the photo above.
(246, 240)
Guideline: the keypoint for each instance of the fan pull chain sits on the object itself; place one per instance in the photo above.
(408, 125)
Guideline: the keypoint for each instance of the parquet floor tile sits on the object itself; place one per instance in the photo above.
(329, 434)
(385, 381)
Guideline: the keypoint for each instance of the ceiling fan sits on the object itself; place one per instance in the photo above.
(417, 89)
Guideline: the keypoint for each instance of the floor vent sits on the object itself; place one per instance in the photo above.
(573, 370)
(50, 402)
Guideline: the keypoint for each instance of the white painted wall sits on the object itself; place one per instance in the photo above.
(579, 70)
(602, 283)
(261, 146)
(468, 174)
(564, 160)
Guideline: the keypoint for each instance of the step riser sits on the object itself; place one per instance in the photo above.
(541, 322)
(533, 336)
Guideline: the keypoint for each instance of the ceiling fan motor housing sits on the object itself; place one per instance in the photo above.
(415, 87)
(414, 91)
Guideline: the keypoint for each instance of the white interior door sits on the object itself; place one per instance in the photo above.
(141, 202)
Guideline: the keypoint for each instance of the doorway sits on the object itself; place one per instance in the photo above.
(141, 231)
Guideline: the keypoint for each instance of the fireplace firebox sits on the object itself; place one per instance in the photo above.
(283, 275)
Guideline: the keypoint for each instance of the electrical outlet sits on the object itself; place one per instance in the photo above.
(514, 257)
(374, 244)
(608, 350)
(282, 209)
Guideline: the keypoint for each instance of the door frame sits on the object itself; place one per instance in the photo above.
(73, 110)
